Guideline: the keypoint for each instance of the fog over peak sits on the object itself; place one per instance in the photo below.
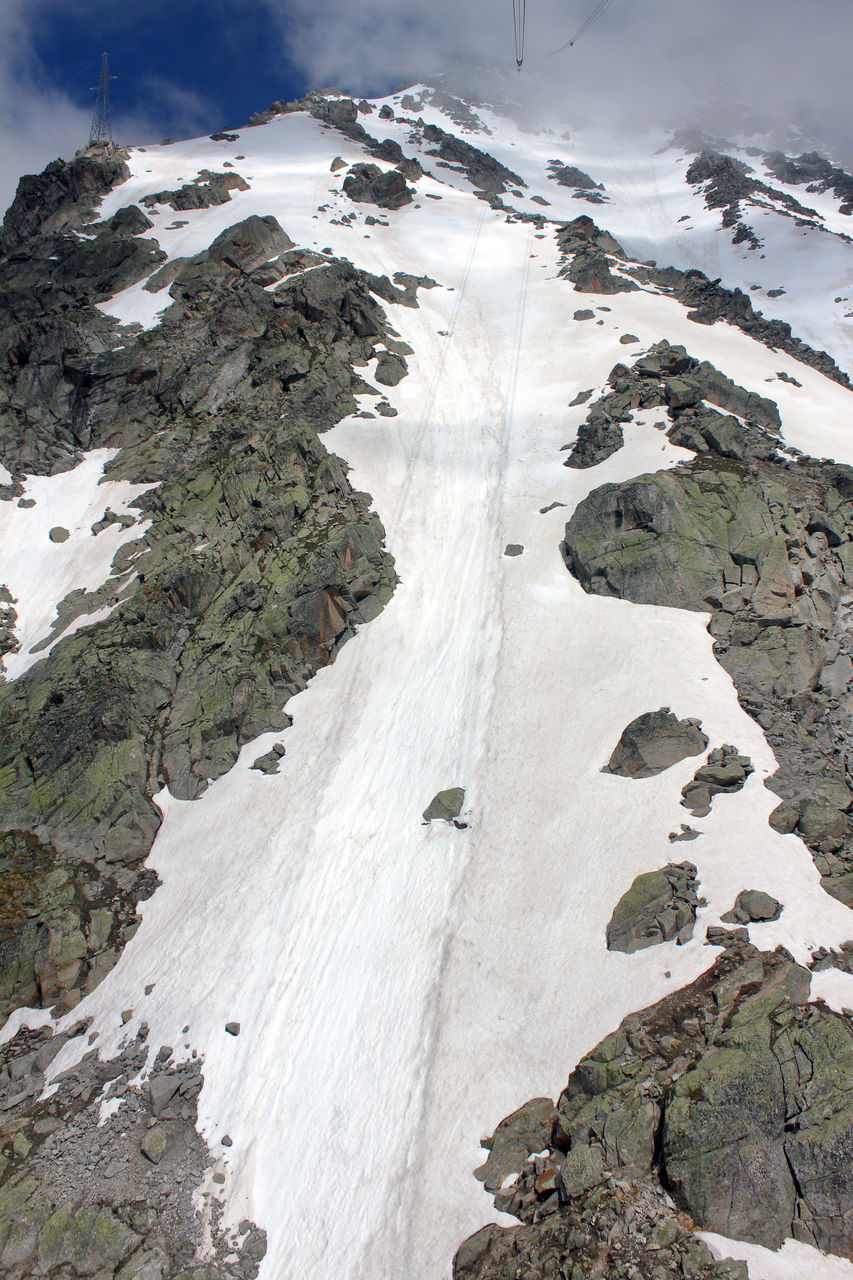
(765, 65)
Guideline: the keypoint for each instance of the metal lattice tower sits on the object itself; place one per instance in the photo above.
(102, 129)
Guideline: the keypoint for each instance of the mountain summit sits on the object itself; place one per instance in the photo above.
(426, 635)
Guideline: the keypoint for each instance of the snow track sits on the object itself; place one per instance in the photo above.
(399, 986)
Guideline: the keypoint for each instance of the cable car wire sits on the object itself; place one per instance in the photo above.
(597, 12)
(519, 20)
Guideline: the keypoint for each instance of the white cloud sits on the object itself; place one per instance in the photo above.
(644, 60)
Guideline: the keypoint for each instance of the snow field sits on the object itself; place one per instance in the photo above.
(402, 987)
(40, 573)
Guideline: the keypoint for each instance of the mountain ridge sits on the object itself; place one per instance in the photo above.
(252, 561)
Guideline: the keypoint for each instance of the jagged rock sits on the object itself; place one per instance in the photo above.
(487, 174)
(734, 1093)
(518, 1136)
(445, 806)
(390, 369)
(269, 762)
(569, 176)
(659, 906)
(752, 905)
(653, 742)
(205, 192)
(368, 184)
(586, 250)
(729, 183)
(596, 441)
(818, 172)
(154, 1145)
(768, 548)
(82, 1196)
(62, 196)
(725, 772)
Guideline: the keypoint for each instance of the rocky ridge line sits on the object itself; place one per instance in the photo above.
(590, 254)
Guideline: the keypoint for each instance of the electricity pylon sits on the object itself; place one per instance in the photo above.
(102, 129)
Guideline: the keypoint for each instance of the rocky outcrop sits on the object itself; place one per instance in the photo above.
(486, 173)
(63, 196)
(586, 252)
(764, 543)
(753, 906)
(728, 183)
(659, 906)
(258, 564)
(733, 1094)
(113, 1197)
(725, 772)
(653, 742)
(204, 192)
(567, 175)
(368, 184)
(446, 806)
(815, 171)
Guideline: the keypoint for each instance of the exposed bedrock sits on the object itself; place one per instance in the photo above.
(765, 545)
(724, 773)
(258, 564)
(590, 254)
(110, 1197)
(733, 1094)
(63, 196)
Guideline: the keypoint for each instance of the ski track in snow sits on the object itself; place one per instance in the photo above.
(401, 987)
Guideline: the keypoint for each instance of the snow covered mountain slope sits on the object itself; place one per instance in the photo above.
(369, 992)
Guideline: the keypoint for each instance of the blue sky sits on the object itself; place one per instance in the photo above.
(183, 59)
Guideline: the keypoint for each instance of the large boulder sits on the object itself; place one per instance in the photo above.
(368, 184)
(653, 742)
(659, 906)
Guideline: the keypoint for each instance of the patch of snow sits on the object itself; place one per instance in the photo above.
(835, 987)
(40, 573)
(794, 1261)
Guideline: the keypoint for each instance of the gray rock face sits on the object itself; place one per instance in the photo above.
(667, 377)
(484, 171)
(735, 1093)
(658, 907)
(729, 183)
(205, 192)
(518, 1136)
(63, 196)
(114, 1200)
(219, 406)
(767, 546)
(814, 170)
(725, 773)
(368, 184)
(587, 252)
(653, 742)
(569, 176)
(753, 905)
